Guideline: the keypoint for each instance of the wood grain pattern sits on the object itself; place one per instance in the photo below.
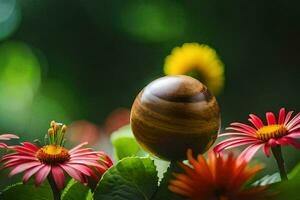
(174, 113)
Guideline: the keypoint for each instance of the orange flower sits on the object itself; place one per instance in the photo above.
(217, 178)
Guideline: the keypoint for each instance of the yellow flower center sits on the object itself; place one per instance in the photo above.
(52, 154)
(271, 131)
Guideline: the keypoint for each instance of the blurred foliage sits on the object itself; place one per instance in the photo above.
(29, 191)
(4, 180)
(125, 144)
(288, 189)
(20, 77)
(153, 20)
(75, 190)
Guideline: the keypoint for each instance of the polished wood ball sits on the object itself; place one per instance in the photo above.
(174, 113)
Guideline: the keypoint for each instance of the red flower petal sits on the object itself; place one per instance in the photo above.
(281, 116)
(271, 119)
(42, 174)
(58, 177)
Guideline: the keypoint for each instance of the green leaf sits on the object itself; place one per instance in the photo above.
(124, 143)
(288, 189)
(131, 178)
(267, 180)
(29, 191)
(75, 190)
(163, 192)
(90, 196)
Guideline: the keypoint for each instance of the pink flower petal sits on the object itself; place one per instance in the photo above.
(107, 159)
(23, 157)
(288, 116)
(246, 127)
(30, 172)
(12, 163)
(84, 154)
(294, 121)
(8, 156)
(294, 135)
(101, 170)
(89, 163)
(2, 145)
(266, 149)
(58, 176)
(236, 134)
(81, 150)
(78, 147)
(282, 141)
(237, 144)
(233, 142)
(42, 174)
(271, 119)
(256, 121)
(106, 163)
(295, 128)
(84, 170)
(22, 167)
(292, 142)
(249, 152)
(8, 137)
(281, 116)
(90, 158)
(272, 142)
(30, 146)
(73, 173)
(5, 138)
(239, 130)
(24, 150)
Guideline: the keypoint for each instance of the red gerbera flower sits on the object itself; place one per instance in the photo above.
(54, 159)
(217, 178)
(277, 132)
(7, 137)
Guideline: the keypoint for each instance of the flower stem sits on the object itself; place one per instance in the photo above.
(280, 162)
(55, 190)
(92, 184)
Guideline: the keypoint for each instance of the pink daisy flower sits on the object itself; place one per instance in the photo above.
(53, 160)
(283, 131)
(7, 137)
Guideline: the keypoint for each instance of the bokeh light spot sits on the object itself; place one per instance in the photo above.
(154, 21)
(20, 76)
(10, 17)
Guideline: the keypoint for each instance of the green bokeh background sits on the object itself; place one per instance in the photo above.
(82, 59)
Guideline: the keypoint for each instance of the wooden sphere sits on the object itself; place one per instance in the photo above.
(174, 113)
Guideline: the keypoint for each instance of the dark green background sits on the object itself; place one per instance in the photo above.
(104, 66)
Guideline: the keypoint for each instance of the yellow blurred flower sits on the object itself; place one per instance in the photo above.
(199, 61)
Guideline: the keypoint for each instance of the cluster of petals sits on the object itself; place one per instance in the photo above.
(82, 163)
(243, 134)
(218, 177)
